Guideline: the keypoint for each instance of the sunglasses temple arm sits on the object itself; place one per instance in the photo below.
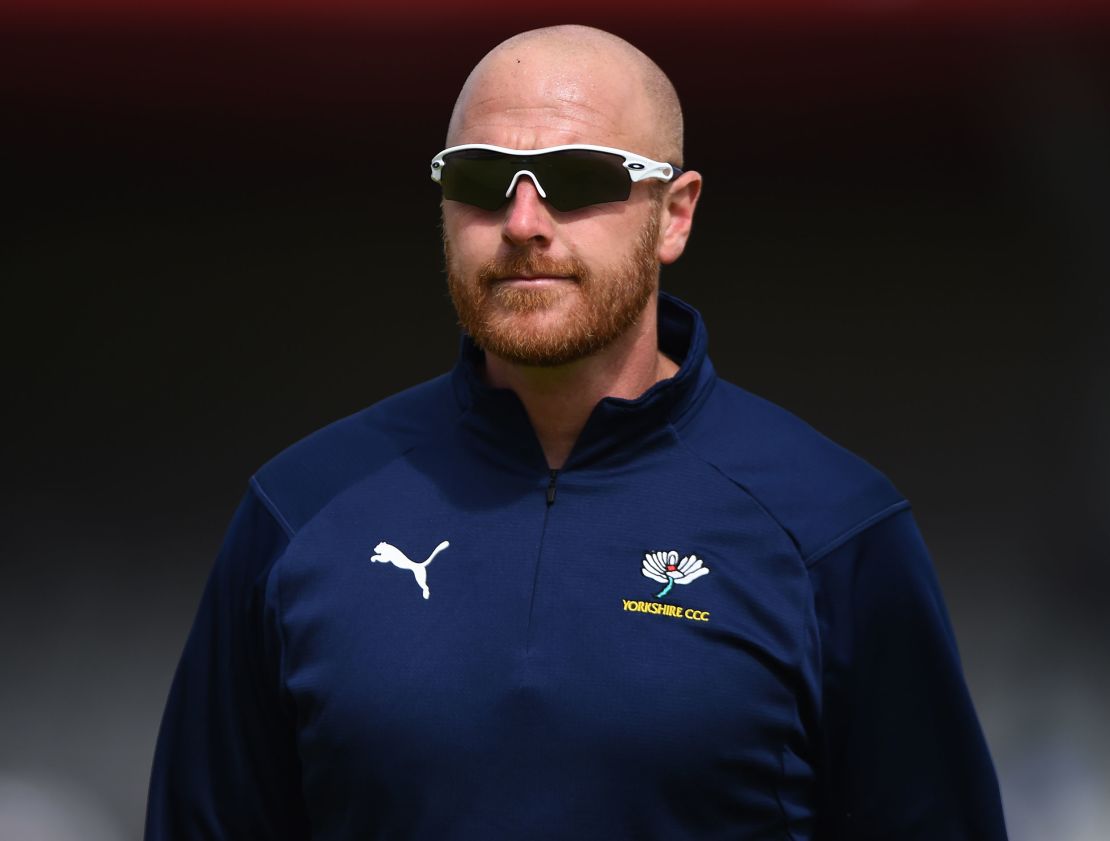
(657, 172)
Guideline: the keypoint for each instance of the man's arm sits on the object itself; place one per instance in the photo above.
(903, 756)
(226, 764)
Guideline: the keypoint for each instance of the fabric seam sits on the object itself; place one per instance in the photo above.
(778, 795)
(283, 644)
(271, 506)
(813, 559)
(759, 503)
(282, 669)
(288, 529)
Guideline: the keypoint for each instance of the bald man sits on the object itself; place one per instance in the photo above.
(579, 587)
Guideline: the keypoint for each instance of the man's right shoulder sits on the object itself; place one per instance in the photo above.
(300, 480)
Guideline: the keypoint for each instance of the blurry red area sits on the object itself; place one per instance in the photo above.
(292, 51)
(638, 11)
(324, 80)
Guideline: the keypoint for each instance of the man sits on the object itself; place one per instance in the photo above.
(579, 587)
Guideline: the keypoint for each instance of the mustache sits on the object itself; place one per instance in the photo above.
(531, 264)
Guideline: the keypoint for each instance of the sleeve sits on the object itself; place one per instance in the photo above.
(902, 756)
(226, 764)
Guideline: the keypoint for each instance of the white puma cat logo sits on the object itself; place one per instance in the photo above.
(387, 553)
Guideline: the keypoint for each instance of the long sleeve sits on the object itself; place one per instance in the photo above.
(904, 756)
(226, 764)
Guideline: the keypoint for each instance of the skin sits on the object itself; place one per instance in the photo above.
(546, 88)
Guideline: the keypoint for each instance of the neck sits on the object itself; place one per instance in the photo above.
(559, 399)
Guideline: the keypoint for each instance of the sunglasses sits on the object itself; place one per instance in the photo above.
(567, 177)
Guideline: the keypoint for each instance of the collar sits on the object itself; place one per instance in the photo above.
(617, 429)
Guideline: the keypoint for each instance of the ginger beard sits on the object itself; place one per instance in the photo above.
(501, 318)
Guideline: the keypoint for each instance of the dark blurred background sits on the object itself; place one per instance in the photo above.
(221, 235)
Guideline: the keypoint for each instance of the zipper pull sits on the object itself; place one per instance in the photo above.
(551, 487)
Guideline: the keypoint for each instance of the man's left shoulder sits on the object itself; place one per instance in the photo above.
(818, 491)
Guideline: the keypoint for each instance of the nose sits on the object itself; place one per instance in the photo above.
(527, 218)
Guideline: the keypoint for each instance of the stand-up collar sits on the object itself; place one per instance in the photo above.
(617, 428)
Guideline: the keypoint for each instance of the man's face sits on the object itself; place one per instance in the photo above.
(531, 284)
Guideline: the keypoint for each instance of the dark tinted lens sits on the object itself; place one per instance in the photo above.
(575, 178)
(478, 177)
(572, 178)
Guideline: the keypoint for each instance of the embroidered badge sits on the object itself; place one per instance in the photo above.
(666, 568)
(386, 553)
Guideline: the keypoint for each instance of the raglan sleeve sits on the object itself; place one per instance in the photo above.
(225, 765)
(903, 755)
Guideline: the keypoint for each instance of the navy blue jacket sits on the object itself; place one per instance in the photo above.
(712, 623)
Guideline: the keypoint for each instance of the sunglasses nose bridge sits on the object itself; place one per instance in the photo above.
(517, 177)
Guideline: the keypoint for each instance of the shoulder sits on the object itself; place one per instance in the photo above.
(303, 478)
(820, 493)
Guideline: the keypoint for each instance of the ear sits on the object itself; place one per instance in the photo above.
(678, 216)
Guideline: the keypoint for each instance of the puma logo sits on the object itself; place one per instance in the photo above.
(387, 553)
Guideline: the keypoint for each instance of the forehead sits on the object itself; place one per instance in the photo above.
(527, 99)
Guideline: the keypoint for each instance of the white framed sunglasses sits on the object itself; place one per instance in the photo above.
(567, 177)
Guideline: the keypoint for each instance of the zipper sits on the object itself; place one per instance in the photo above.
(551, 487)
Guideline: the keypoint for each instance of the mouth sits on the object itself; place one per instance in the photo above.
(540, 280)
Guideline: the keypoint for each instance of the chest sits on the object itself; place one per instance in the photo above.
(644, 630)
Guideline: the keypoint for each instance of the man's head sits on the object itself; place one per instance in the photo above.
(536, 285)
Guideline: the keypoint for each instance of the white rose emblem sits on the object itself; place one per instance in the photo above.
(666, 568)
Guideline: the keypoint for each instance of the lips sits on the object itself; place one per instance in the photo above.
(533, 278)
(526, 269)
